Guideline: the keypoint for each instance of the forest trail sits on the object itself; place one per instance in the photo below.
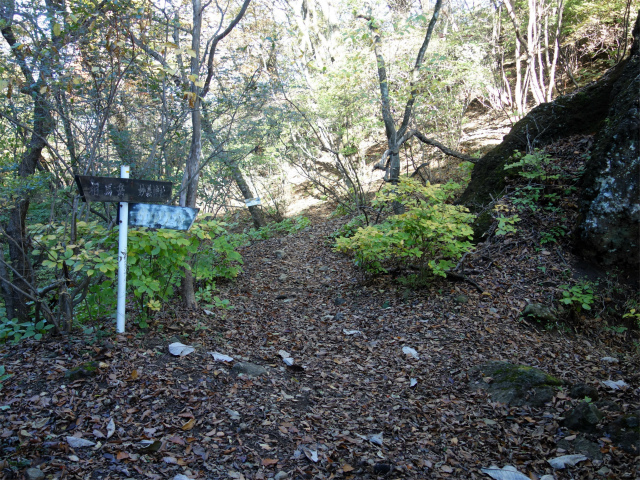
(354, 405)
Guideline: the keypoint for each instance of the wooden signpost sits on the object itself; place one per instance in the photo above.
(108, 189)
(143, 214)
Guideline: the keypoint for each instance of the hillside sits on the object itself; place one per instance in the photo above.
(355, 403)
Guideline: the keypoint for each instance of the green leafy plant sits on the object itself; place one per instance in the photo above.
(579, 297)
(634, 315)
(286, 227)
(552, 235)
(506, 225)
(532, 166)
(430, 235)
(156, 261)
(3, 376)
(14, 331)
(350, 228)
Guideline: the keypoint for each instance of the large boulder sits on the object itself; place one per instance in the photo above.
(608, 233)
(610, 228)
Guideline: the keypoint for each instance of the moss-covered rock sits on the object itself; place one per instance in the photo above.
(514, 384)
(86, 370)
(584, 417)
(539, 313)
(481, 226)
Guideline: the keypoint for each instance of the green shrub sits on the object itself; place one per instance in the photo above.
(578, 297)
(430, 235)
(156, 260)
(532, 166)
(350, 228)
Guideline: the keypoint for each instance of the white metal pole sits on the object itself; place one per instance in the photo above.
(122, 257)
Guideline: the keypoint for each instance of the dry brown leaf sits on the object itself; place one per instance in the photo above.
(189, 425)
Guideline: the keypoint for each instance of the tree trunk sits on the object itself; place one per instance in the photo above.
(236, 173)
(394, 136)
(189, 192)
(256, 212)
(5, 286)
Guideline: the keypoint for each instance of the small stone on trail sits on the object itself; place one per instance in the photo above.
(582, 390)
(583, 418)
(281, 475)
(77, 442)
(338, 316)
(461, 299)
(537, 312)
(34, 474)
(339, 301)
(609, 359)
(250, 369)
(86, 370)
(283, 277)
(279, 253)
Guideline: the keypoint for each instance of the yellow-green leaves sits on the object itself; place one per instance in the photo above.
(429, 234)
(57, 29)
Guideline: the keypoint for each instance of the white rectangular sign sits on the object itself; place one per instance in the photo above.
(161, 216)
(252, 201)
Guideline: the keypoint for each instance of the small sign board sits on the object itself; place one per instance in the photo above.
(161, 216)
(109, 189)
(252, 201)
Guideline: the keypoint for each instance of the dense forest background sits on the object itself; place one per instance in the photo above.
(282, 100)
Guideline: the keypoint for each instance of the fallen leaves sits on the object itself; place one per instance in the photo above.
(383, 392)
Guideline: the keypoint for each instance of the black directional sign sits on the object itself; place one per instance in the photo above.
(161, 216)
(109, 189)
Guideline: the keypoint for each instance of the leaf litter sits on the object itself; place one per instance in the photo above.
(356, 411)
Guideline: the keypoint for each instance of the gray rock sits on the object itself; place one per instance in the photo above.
(339, 301)
(86, 370)
(516, 385)
(249, 369)
(625, 432)
(282, 277)
(583, 417)
(338, 316)
(279, 253)
(461, 299)
(539, 313)
(34, 474)
(281, 475)
(323, 268)
(582, 390)
(610, 213)
(582, 445)
(608, 405)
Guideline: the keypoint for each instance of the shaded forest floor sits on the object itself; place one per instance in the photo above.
(353, 405)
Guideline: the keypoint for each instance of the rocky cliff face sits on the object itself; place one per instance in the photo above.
(609, 233)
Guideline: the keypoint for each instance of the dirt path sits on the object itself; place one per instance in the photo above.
(347, 408)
